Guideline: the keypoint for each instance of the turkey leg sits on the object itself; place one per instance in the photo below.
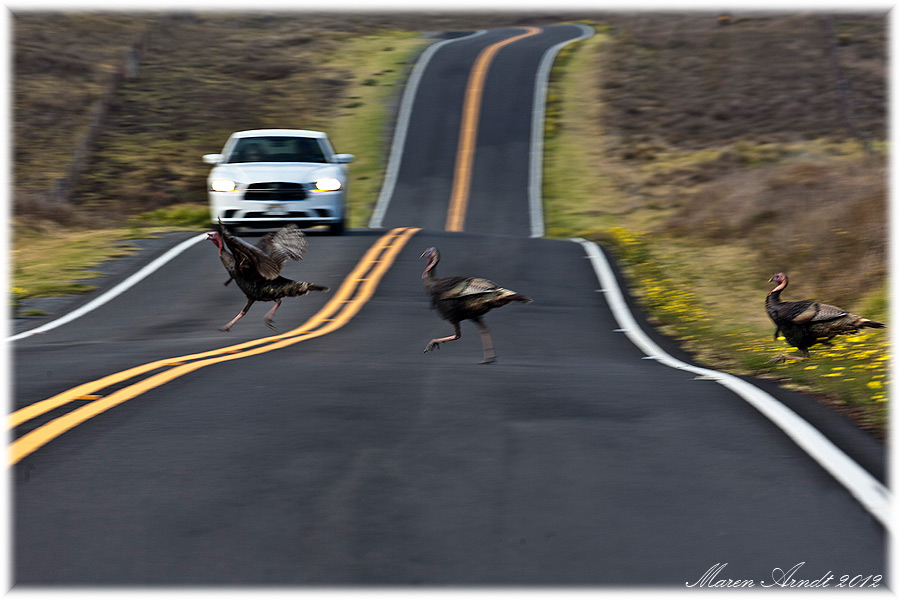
(271, 313)
(487, 344)
(435, 343)
(239, 315)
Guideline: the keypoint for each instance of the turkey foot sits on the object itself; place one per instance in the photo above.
(784, 358)
(436, 343)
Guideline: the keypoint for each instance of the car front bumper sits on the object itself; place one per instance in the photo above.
(320, 208)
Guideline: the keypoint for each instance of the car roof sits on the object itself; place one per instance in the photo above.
(278, 132)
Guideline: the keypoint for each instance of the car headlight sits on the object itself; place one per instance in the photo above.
(327, 184)
(223, 185)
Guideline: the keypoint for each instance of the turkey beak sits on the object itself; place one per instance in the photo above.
(214, 238)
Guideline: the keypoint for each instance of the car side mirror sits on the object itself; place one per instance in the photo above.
(343, 158)
(212, 159)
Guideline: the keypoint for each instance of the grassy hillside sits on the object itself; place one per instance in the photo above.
(60, 68)
(706, 156)
(709, 157)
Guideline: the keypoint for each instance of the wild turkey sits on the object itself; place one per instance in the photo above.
(256, 269)
(459, 298)
(805, 322)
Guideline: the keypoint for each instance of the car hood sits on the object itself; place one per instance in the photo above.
(293, 172)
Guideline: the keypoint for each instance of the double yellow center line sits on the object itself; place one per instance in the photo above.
(353, 293)
(468, 132)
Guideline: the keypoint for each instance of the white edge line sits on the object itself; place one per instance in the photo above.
(870, 492)
(114, 291)
(403, 116)
(535, 179)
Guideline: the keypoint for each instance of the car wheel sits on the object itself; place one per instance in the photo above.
(336, 228)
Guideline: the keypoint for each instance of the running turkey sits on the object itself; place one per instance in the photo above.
(806, 322)
(459, 298)
(257, 269)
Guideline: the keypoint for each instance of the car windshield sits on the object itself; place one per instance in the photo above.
(277, 149)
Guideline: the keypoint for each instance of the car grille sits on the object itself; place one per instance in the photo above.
(318, 213)
(275, 191)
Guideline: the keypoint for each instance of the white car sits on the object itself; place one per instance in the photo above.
(270, 177)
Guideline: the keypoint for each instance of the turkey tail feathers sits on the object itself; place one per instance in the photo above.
(300, 288)
(506, 296)
(857, 322)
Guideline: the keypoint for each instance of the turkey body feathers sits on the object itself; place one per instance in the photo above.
(460, 298)
(805, 323)
(275, 289)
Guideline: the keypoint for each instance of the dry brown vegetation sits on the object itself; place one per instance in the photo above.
(825, 223)
(685, 80)
(61, 68)
(737, 133)
(728, 152)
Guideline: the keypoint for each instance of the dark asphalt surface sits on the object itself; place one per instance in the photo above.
(498, 203)
(355, 458)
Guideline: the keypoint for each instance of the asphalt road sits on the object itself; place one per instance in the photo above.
(355, 458)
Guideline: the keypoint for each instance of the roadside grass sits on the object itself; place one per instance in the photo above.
(706, 288)
(48, 260)
(53, 265)
(580, 191)
(379, 65)
(715, 324)
(189, 215)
